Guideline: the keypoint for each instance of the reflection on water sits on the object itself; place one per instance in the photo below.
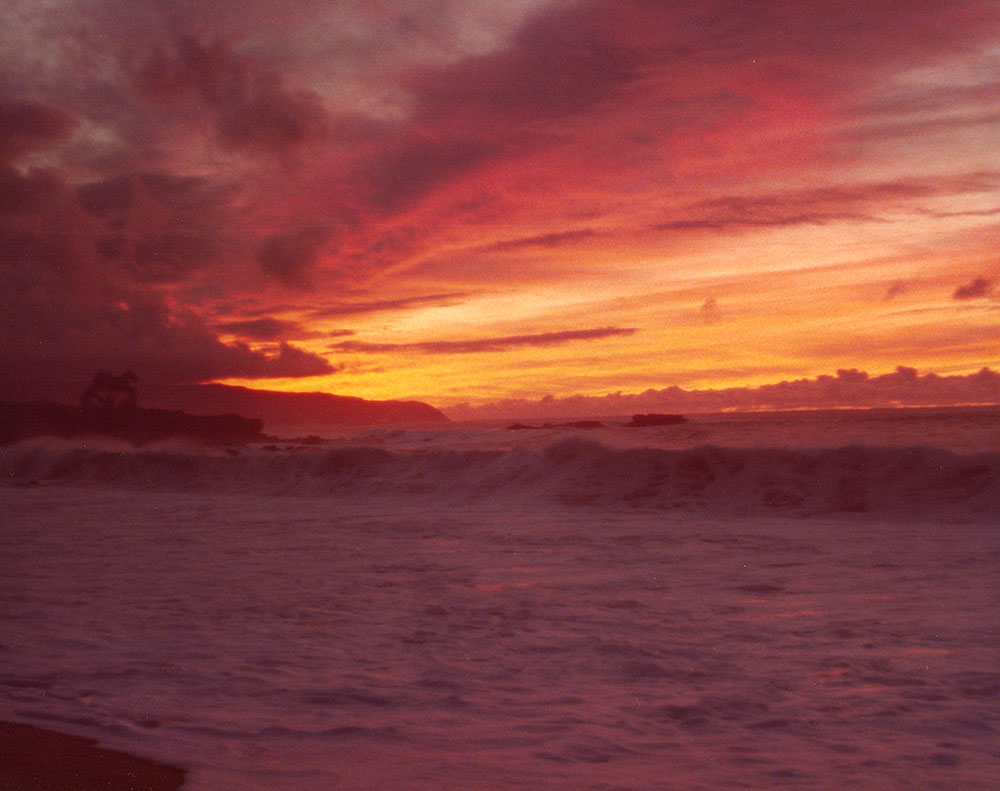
(290, 643)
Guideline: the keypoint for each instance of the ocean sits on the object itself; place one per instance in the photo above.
(801, 600)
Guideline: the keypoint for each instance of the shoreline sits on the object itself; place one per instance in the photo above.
(39, 759)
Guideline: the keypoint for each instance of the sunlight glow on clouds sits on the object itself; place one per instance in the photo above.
(354, 197)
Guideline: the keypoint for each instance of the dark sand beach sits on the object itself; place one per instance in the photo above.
(36, 759)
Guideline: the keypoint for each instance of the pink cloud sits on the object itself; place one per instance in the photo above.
(848, 388)
(975, 289)
(214, 153)
(477, 345)
(415, 168)
(852, 202)
(361, 307)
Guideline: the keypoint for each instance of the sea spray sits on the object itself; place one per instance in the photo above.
(891, 481)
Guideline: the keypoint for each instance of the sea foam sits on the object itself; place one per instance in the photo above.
(891, 481)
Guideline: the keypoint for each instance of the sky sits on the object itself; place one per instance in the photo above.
(501, 202)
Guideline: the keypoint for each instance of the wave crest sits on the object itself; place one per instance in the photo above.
(922, 481)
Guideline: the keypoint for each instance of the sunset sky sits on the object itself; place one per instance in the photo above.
(468, 201)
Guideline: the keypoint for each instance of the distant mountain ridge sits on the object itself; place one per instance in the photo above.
(24, 419)
(280, 409)
(211, 413)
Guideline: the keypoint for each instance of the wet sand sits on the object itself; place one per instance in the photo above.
(35, 759)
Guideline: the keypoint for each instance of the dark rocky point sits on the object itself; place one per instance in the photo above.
(655, 419)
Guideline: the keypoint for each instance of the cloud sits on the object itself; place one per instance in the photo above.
(486, 108)
(251, 107)
(166, 257)
(55, 341)
(895, 288)
(592, 59)
(908, 111)
(292, 362)
(418, 167)
(555, 239)
(860, 202)
(86, 277)
(479, 345)
(26, 193)
(850, 34)
(560, 63)
(879, 131)
(338, 309)
(108, 197)
(596, 98)
(264, 329)
(848, 388)
(159, 227)
(27, 126)
(291, 255)
(709, 311)
(975, 289)
(173, 158)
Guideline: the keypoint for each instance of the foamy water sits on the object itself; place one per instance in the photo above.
(484, 609)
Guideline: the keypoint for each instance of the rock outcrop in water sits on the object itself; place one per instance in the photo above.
(655, 419)
(584, 424)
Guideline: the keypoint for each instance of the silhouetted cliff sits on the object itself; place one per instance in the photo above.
(283, 410)
(20, 420)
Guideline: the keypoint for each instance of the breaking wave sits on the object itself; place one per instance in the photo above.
(891, 481)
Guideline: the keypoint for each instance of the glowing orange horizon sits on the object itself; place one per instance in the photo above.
(555, 199)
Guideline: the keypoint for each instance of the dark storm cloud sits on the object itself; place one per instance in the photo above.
(418, 167)
(562, 62)
(291, 256)
(53, 340)
(178, 199)
(81, 275)
(251, 107)
(187, 194)
(478, 345)
(27, 126)
(293, 362)
(26, 193)
(975, 289)
(160, 228)
(171, 256)
(111, 196)
(264, 329)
